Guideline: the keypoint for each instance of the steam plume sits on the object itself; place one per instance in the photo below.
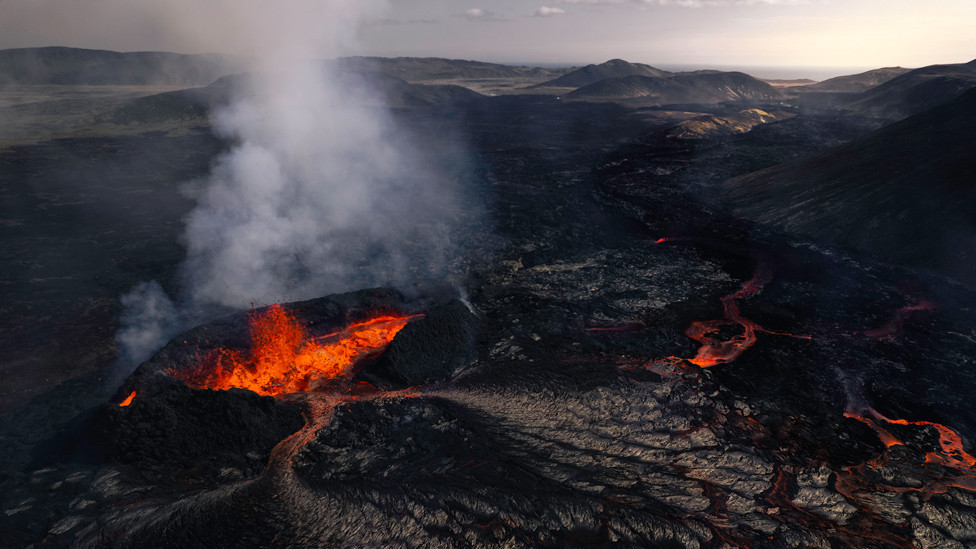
(321, 193)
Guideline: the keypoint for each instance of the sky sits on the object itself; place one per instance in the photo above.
(701, 33)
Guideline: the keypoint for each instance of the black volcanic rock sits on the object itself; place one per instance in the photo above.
(388, 441)
(708, 87)
(225, 433)
(428, 350)
(591, 74)
(74, 66)
(905, 193)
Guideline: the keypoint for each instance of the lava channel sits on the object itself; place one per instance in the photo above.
(715, 350)
(283, 359)
(948, 466)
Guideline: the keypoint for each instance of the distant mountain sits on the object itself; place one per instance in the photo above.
(74, 66)
(854, 83)
(704, 87)
(398, 93)
(915, 91)
(591, 74)
(413, 69)
(905, 193)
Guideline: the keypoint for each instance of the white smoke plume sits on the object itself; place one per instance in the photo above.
(149, 319)
(320, 193)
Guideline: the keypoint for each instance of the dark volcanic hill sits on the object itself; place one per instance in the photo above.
(398, 93)
(74, 66)
(591, 74)
(905, 193)
(915, 91)
(436, 68)
(706, 87)
(855, 82)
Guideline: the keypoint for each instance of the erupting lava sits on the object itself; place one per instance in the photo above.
(128, 399)
(282, 358)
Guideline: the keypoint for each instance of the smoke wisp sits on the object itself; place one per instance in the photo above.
(321, 191)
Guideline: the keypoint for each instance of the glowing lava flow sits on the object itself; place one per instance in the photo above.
(717, 351)
(948, 466)
(282, 358)
(128, 399)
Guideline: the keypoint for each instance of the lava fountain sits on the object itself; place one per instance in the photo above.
(284, 359)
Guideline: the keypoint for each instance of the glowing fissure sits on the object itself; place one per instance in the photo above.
(956, 467)
(128, 399)
(283, 359)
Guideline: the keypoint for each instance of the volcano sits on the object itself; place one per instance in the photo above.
(624, 363)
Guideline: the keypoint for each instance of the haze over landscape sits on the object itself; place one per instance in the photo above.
(420, 273)
(794, 33)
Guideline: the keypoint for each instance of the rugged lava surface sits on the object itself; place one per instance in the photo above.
(596, 388)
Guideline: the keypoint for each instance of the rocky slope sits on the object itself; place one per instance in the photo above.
(904, 193)
(591, 74)
(708, 87)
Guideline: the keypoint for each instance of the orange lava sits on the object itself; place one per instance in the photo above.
(948, 466)
(717, 351)
(282, 359)
(951, 453)
(128, 399)
(886, 438)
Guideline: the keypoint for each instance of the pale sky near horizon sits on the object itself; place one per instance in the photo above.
(806, 33)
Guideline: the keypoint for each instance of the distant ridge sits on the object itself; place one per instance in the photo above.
(196, 103)
(398, 93)
(701, 87)
(855, 82)
(75, 66)
(915, 91)
(414, 69)
(591, 74)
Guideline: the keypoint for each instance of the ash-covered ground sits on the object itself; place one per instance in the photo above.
(559, 406)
